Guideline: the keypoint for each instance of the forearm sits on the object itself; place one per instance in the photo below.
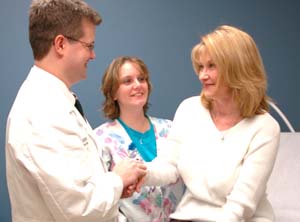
(160, 172)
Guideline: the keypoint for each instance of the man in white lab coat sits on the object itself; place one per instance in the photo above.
(54, 172)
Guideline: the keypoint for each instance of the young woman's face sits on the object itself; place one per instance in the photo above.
(133, 89)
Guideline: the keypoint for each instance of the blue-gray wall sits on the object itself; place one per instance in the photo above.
(162, 33)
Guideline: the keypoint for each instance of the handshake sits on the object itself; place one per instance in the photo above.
(132, 173)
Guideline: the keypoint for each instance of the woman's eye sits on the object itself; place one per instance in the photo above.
(211, 65)
(141, 79)
(126, 81)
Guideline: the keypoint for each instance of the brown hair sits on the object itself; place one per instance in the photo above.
(49, 18)
(239, 65)
(110, 84)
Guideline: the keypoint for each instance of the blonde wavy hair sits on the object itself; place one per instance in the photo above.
(239, 66)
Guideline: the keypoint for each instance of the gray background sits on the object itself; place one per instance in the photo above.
(162, 33)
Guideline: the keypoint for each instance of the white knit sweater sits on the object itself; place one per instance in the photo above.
(226, 173)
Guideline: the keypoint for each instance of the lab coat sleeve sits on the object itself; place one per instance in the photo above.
(61, 157)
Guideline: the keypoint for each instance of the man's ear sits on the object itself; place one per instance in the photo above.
(59, 43)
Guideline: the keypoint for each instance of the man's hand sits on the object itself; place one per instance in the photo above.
(128, 191)
(131, 173)
(139, 184)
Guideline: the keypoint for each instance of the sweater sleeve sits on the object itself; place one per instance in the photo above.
(163, 169)
(251, 184)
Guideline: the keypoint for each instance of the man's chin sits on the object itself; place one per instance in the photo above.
(81, 78)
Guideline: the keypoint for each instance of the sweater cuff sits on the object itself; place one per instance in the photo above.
(231, 212)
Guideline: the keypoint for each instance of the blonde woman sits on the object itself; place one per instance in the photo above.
(226, 141)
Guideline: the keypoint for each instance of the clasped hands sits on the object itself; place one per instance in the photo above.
(132, 173)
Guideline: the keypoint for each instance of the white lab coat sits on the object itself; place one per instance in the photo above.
(54, 172)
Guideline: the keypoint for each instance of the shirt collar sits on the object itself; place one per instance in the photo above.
(47, 78)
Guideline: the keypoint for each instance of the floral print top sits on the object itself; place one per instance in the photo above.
(153, 203)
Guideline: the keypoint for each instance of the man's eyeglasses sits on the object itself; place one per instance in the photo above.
(90, 46)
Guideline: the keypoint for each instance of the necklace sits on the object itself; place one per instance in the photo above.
(224, 123)
(141, 139)
(144, 143)
(223, 134)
